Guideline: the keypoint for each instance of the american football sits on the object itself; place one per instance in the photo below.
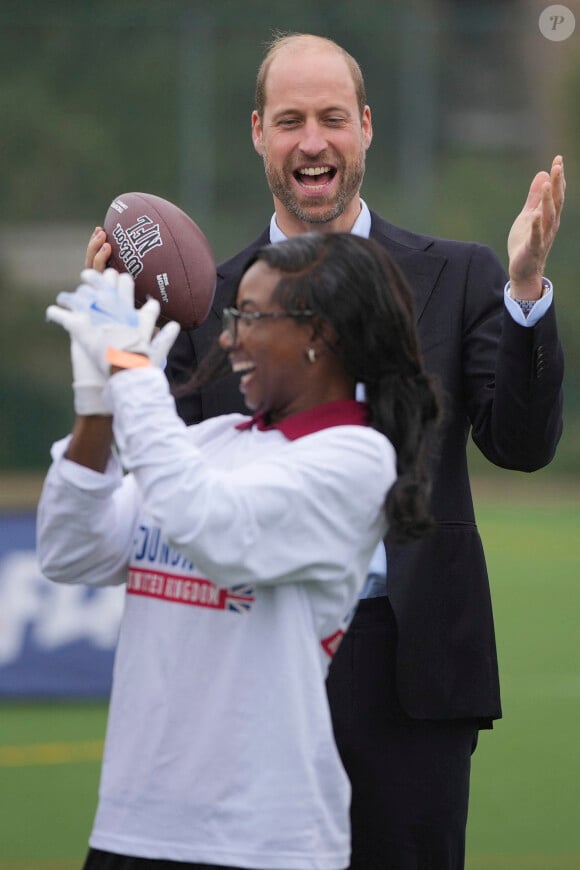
(167, 254)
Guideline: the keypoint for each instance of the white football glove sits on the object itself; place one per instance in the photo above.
(88, 383)
(107, 297)
(101, 315)
(88, 379)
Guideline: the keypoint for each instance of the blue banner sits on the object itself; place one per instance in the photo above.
(55, 640)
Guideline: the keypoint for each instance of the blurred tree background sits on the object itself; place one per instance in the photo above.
(469, 100)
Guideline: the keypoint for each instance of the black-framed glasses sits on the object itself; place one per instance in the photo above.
(232, 316)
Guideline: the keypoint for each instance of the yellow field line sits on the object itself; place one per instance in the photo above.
(23, 755)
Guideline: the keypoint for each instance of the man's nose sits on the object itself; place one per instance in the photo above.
(313, 140)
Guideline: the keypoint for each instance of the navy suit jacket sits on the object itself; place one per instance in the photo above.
(502, 382)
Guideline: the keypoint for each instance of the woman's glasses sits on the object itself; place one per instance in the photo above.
(232, 316)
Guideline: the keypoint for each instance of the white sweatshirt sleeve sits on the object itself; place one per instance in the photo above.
(266, 520)
(85, 522)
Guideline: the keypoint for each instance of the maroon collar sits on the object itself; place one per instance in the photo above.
(345, 412)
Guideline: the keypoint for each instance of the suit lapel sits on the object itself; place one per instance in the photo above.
(411, 252)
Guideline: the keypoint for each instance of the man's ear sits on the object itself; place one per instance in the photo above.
(257, 137)
(367, 127)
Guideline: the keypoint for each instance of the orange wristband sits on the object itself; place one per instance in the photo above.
(123, 359)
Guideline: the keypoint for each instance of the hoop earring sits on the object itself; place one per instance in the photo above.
(311, 354)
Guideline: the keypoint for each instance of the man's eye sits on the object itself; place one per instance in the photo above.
(289, 122)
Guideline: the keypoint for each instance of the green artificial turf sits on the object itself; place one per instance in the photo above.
(525, 797)
(49, 768)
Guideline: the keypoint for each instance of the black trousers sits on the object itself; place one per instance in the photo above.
(410, 778)
(99, 860)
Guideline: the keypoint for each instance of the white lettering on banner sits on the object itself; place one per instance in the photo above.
(54, 614)
(197, 591)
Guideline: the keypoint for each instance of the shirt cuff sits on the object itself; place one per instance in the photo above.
(537, 312)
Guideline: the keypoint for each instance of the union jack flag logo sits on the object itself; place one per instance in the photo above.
(239, 598)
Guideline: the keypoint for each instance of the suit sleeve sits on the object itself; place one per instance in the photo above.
(513, 374)
(181, 364)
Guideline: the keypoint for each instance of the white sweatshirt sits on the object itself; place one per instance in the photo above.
(243, 550)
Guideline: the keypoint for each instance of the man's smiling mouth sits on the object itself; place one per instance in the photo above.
(314, 176)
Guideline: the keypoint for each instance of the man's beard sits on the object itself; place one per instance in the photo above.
(351, 180)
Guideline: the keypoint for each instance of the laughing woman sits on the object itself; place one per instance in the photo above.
(243, 543)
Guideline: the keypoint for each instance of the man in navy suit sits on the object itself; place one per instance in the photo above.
(416, 676)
